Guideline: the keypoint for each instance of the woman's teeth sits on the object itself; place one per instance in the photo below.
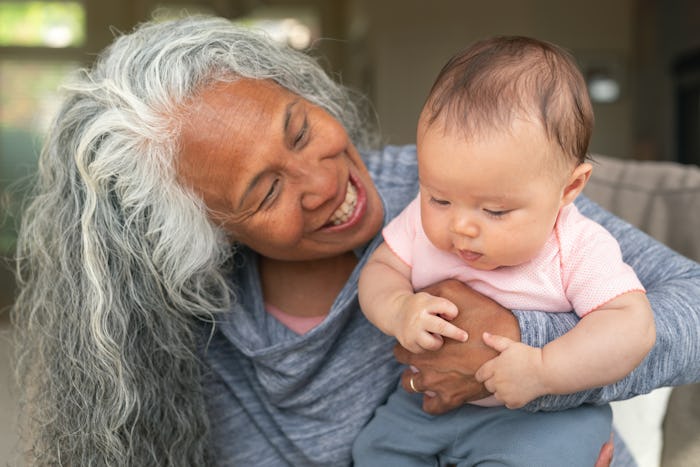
(342, 214)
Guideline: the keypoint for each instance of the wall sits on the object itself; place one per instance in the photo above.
(664, 32)
(392, 50)
(409, 41)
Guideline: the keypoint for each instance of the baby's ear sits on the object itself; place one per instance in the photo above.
(577, 180)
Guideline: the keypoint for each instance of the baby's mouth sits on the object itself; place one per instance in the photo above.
(469, 256)
(345, 210)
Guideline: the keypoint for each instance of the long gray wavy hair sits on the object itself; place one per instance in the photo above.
(117, 262)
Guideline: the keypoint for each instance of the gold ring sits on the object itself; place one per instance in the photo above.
(413, 387)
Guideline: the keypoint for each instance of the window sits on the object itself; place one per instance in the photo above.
(31, 71)
(42, 24)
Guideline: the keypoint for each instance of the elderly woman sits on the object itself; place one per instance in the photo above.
(189, 264)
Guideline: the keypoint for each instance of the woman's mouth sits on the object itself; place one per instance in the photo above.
(345, 210)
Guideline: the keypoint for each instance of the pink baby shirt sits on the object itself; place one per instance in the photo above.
(580, 267)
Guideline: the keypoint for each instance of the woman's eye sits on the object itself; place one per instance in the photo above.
(301, 135)
(270, 193)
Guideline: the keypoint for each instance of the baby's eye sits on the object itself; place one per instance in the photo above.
(439, 202)
(496, 212)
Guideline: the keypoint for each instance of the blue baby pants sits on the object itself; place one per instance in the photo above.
(402, 435)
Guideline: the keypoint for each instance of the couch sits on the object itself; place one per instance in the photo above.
(662, 199)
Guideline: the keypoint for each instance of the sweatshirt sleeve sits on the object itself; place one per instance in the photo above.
(673, 289)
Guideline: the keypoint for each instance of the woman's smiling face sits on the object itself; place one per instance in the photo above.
(278, 173)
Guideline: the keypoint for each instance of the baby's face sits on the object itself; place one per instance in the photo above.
(492, 200)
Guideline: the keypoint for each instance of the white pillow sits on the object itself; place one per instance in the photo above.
(639, 421)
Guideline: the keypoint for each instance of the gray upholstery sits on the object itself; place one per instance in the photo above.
(661, 198)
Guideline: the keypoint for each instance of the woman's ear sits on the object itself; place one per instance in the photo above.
(577, 180)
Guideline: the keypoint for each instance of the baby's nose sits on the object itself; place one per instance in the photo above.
(464, 225)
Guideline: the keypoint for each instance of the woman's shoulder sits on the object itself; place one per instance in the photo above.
(393, 165)
(394, 170)
(590, 209)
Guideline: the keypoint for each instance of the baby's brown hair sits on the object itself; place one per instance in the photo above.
(496, 80)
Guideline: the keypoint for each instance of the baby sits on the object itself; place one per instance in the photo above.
(502, 147)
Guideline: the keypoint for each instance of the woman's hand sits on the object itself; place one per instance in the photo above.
(447, 374)
(606, 454)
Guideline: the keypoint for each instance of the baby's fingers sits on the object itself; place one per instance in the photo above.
(498, 343)
(444, 308)
(485, 372)
(444, 328)
(428, 341)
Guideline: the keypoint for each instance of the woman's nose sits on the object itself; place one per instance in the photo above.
(318, 185)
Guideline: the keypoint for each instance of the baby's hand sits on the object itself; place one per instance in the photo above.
(423, 320)
(513, 376)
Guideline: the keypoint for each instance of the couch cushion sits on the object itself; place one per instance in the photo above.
(661, 198)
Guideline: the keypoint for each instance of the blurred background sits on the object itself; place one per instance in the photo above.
(641, 59)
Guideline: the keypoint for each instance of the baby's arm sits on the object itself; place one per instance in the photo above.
(417, 320)
(604, 347)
